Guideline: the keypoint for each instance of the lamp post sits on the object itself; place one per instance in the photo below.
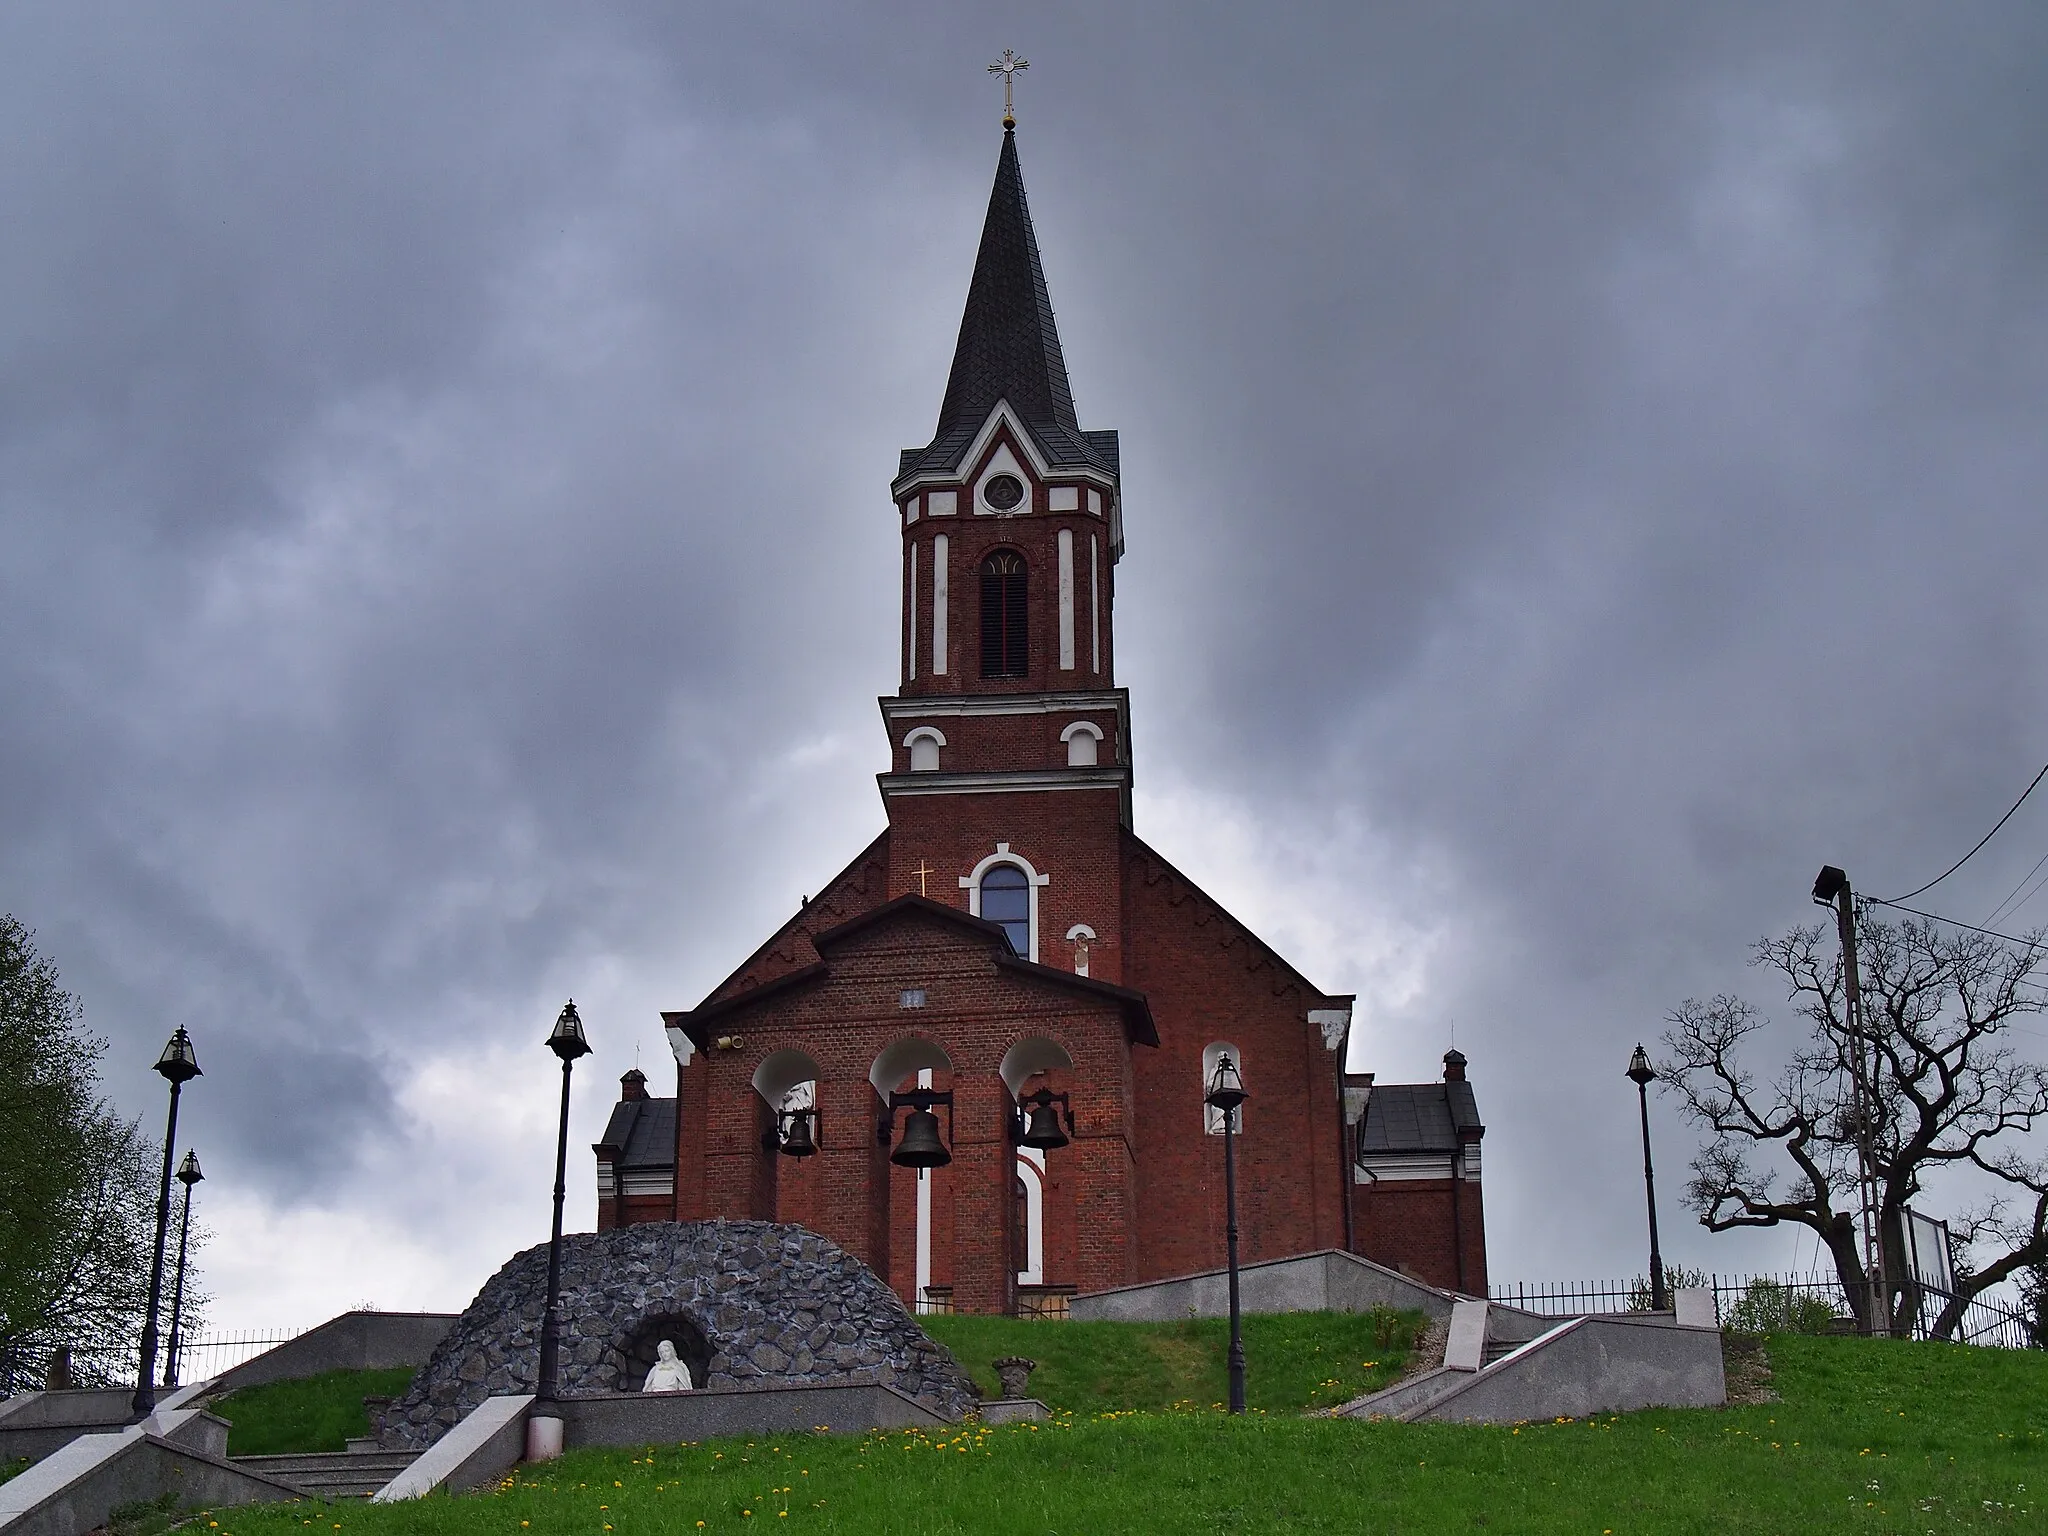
(544, 1424)
(1226, 1092)
(188, 1175)
(1642, 1074)
(178, 1065)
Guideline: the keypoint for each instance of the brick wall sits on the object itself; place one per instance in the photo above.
(1208, 979)
(1407, 1224)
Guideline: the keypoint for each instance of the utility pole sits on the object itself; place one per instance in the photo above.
(1831, 888)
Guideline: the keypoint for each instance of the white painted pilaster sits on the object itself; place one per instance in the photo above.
(1066, 600)
(911, 651)
(1094, 603)
(939, 606)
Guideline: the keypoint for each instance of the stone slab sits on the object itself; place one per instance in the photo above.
(1327, 1280)
(1012, 1410)
(1694, 1308)
(490, 1438)
(1465, 1349)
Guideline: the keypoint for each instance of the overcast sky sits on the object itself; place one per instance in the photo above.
(1583, 470)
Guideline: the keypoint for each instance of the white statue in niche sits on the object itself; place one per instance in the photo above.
(669, 1373)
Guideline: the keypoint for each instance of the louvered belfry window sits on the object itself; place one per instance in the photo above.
(1002, 615)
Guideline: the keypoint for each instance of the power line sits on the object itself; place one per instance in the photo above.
(1959, 863)
(1992, 915)
(1936, 917)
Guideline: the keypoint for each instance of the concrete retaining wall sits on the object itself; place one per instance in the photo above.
(653, 1418)
(75, 1488)
(354, 1341)
(492, 1438)
(1591, 1365)
(1329, 1280)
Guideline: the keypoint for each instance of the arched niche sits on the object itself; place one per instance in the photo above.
(1029, 1057)
(634, 1355)
(900, 1058)
(781, 1073)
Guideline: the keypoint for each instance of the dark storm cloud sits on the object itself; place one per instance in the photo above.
(1582, 463)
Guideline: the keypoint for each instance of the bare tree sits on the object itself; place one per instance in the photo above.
(1947, 1090)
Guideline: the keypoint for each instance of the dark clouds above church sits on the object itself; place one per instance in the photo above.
(1581, 471)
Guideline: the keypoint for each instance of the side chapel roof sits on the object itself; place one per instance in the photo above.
(1419, 1117)
(640, 1134)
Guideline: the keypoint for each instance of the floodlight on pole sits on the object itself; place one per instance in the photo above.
(177, 1065)
(1642, 1074)
(188, 1175)
(544, 1422)
(1226, 1093)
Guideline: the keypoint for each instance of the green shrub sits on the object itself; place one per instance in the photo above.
(1766, 1306)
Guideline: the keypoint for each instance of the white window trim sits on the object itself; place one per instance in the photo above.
(971, 884)
(929, 733)
(1085, 935)
(1031, 1172)
(1083, 728)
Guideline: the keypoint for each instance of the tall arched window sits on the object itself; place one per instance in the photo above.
(1006, 899)
(1003, 634)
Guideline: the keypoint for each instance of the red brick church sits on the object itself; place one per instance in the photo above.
(977, 1057)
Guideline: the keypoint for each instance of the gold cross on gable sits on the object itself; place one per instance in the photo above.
(1007, 67)
(922, 871)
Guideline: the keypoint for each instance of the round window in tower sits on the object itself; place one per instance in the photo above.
(1003, 492)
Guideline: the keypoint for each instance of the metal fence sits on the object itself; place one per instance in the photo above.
(212, 1353)
(1809, 1302)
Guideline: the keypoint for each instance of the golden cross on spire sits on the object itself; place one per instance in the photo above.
(1007, 67)
(921, 872)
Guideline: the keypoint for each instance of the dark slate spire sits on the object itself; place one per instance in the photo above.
(1009, 347)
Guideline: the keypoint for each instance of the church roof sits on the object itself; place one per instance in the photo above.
(1136, 1010)
(1009, 347)
(1419, 1117)
(640, 1134)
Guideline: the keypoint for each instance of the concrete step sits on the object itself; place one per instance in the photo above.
(333, 1474)
(1496, 1348)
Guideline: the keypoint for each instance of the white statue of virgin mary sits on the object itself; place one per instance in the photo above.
(669, 1373)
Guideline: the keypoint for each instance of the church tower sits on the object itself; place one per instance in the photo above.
(976, 1058)
(1010, 742)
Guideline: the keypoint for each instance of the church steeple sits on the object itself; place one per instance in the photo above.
(1009, 347)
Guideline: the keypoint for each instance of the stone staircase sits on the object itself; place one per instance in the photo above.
(1496, 1348)
(333, 1474)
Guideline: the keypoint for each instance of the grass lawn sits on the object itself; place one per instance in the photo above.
(1871, 1436)
(1306, 1359)
(318, 1413)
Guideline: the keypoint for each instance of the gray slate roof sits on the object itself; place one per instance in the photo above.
(1009, 347)
(646, 1128)
(1417, 1117)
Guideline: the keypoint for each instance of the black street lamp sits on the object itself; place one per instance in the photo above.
(544, 1424)
(178, 1066)
(1226, 1092)
(188, 1175)
(1642, 1074)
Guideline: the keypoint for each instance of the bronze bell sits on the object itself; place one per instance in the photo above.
(798, 1141)
(920, 1146)
(1043, 1128)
